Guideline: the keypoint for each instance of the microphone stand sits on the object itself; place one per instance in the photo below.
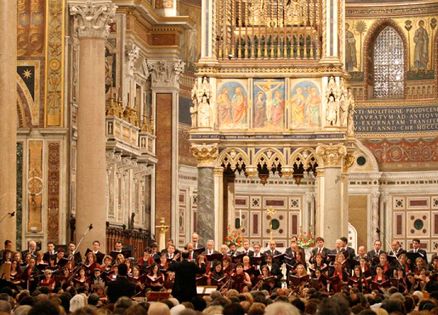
(90, 227)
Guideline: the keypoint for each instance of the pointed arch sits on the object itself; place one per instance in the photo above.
(270, 156)
(24, 104)
(234, 159)
(369, 44)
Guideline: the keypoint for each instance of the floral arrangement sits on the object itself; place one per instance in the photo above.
(234, 237)
(306, 240)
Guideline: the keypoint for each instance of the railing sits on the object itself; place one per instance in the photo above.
(261, 29)
(134, 239)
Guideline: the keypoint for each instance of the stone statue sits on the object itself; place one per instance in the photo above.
(421, 54)
(332, 111)
(343, 110)
(350, 49)
(204, 113)
(200, 110)
(351, 112)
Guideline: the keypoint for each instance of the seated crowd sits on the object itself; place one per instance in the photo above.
(240, 280)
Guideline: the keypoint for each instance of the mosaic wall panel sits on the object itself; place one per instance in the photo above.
(19, 209)
(414, 216)
(35, 186)
(53, 178)
(258, 224)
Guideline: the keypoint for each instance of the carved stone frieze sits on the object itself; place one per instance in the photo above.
(165, 74)
(93, 17)
(330, 155)
(206, 154)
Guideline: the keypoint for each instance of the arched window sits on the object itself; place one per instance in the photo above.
(388, 56)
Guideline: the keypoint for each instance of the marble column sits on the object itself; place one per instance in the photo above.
(375, 227)
(206, 155)
(8, 111)
(92, 19)
(331, 213)
(218, 203)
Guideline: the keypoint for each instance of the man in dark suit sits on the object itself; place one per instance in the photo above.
(50, 254)
(319, 249)
(349, 252)
(416, 248)
(184, 288)
(396, 249)
(96, 251)
(31, 249)
(122, 286)
(195, 242)
(248, 252)
(373, 255)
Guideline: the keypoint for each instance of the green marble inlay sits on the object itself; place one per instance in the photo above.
(19, 209)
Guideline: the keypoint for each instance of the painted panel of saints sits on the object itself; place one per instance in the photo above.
(232, 104)
(268, 103)
(305, 104)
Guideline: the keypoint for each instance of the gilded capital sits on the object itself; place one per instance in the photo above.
(93, 17)
(331, 155)
(206, 154)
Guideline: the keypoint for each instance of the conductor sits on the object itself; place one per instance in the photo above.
(184, 288)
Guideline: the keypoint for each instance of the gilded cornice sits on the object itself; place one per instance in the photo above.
(414, 8)
(279, 70)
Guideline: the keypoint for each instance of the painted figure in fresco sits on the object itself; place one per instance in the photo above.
(313, 102)
(298, 104)
(350, 49)
(260, 110)
(277, 109)
(421, 40)
(238, 105)
(332, 111)
(204, 113)
(224, 108)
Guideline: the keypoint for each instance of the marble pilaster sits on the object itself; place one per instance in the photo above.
(93, 18)
(332, 213)
(8, 111)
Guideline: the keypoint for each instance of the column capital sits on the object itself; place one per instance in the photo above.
(165, 74)
(93, 17)
(331, 155)
(206, 154)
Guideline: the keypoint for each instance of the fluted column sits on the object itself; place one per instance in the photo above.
(92, 20)
(8, 111)
(207, 24)
(333, 30)
(331, 213)
(206, 154)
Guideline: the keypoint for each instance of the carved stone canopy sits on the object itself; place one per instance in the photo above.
(206, 154)
(331, 155)
(93, 17)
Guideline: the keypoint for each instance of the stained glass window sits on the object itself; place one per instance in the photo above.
(388, 64)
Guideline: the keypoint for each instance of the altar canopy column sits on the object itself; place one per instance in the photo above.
(333, 31)
(332, 199)
(8, 111)
(93, 18)
(207, 22)
(207, 222)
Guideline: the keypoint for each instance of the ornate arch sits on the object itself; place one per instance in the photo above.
(272, 157)
(233, 159)
(24, 105)
(368, 54)
(306, 156)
